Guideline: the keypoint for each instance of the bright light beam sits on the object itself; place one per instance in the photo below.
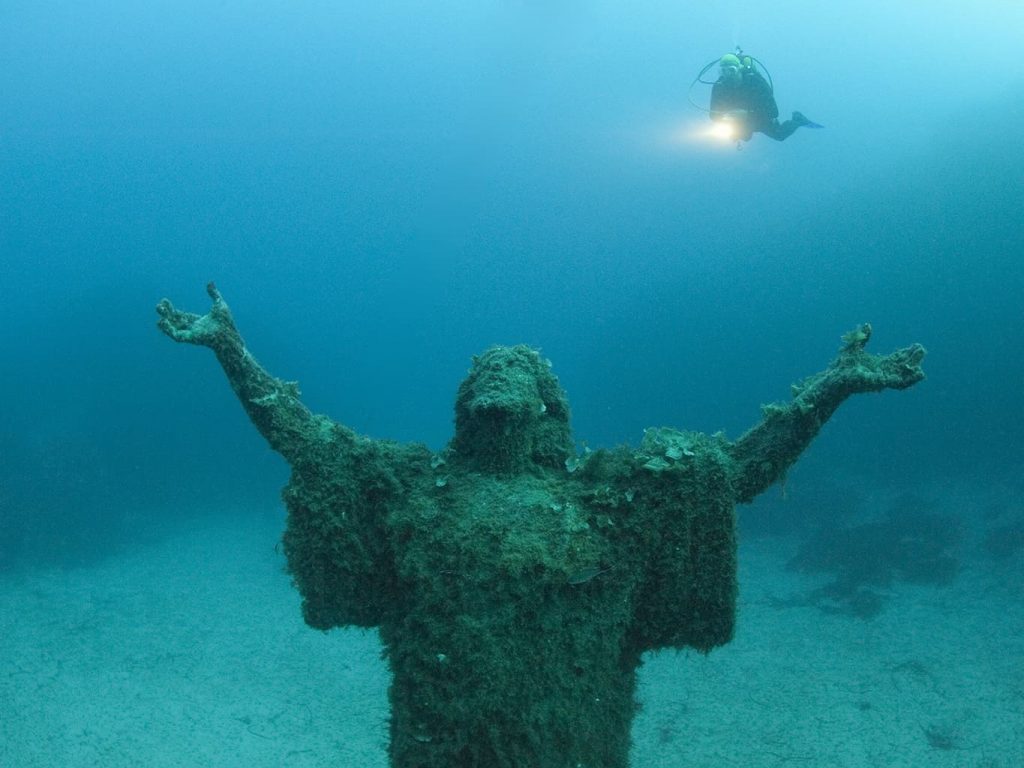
(718, 132)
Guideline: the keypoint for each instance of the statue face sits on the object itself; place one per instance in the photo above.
(504, 387)
(511, 411)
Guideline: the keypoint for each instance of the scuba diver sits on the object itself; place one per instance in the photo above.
(743, 99)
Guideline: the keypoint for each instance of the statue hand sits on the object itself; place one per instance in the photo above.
(902, 368)
(189, 328)
(865, 372)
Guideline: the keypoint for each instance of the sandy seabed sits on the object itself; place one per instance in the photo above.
(192, 652)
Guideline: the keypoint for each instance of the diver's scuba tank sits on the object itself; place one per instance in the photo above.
(748, 64)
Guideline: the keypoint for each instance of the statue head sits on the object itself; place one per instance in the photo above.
(511, 414)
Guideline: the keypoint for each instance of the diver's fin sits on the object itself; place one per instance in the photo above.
(803, 122)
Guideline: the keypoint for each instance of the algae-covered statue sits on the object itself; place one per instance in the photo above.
(516, 585)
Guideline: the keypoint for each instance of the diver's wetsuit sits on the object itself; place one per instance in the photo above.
(753, 94)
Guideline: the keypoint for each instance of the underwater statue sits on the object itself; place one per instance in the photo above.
(516, 585)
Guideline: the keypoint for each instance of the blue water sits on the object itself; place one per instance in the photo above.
(383, 190)
(382, 193)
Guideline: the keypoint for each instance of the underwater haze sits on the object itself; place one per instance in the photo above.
(383, 190)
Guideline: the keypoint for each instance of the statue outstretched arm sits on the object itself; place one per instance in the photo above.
(764, 453)
(273, 405)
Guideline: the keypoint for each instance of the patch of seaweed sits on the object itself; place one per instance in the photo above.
(848, 599)
(910, 544)
(942, 736)
(1004, 541)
